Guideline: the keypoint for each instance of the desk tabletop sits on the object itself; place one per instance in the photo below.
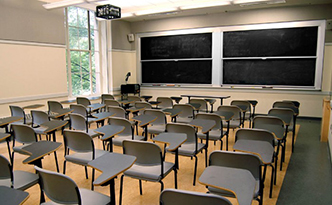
(68, 101)
(39, 149)
(263, 149)
(34, 106)
(176, 99)
(172, 112)
(111, 165)
(225, 114)
(211, 101)
(195, 105)
(207, 96)
(96, 106)
(204, 124)
(7, 120)
(60, 113)
(103, 115)
(109, 131)
(238, 181)
(51, 126)
(10, 196)
(144, 119)
(126, 102)
(173, 140)
(4, 136)
(146, 97)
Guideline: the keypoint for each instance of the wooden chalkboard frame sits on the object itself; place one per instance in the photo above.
(218, 59)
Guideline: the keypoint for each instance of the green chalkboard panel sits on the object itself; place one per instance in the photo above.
(286, 72)
(301, 41)
(177, 46)
(182, 72)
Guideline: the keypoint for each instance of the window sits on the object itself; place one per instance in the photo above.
(82, 52)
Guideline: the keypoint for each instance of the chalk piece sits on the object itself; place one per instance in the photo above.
(155, 84)
(170, 84)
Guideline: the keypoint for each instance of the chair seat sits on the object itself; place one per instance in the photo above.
(92, 133)
(18, 149)
(233, 124)
(119, 139)
(88, 197)
(22, 180)
(156, 129)
(183, 119)
(28, 121)
(188, 149)
(150, 173)
(222, 192)
(213, 135)
(84, 158)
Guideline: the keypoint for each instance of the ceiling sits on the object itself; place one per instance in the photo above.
(136, 10)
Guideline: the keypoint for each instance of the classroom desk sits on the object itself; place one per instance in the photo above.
(207, 96)
(264, 150)
(154, 103)
(108, 132)
(50, 127)
(125, 103)
(211, 102)
(4, 122)
(174, 141)
(10, 196)
(34, 106)
(102, 116)
(172, 112)
(227, 117)
(196, 106)
(60, 114)
(238, 181)
(146, 97)
(6, 136)
(38, 150)
(176, 99)
(68, 101)
(144, 121)
(96, 107)
(111, 165)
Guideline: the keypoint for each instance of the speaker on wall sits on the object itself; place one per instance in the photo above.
(131, 37)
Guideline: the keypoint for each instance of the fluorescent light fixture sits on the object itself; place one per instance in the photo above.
(155, 11)
(207, 4)
(125, 15)
(64, 3)
(248, 1)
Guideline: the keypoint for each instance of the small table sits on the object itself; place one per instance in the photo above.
(38, 150)
(108, 132)
(238, 181)
(144, 121)
(111, 165)
(50, 127)
(172, 112)
(174, 141)
(10, 196)
(146, 97)
(207, 96)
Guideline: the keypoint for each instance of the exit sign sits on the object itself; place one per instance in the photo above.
(108, 12)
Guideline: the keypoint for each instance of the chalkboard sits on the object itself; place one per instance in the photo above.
(285, 72)
(177, 46)
(182, 72)
(301, 41)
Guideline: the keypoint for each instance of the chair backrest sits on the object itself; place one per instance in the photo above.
(58, 187)
(119, 111)
(183, 128)
(83, 101)
(17, 111)
(6, 174)
(282, 113)
(106, 97)
(53, 106)
(147, 153)
(286, 104)
(128, 130)
(211, 116)
(296, 103)
(142, 104)
(161, 117)
(79, 109)
(202, 102)
(270, 123)
(39, 117)
(255, 134)
(111, 102)
(182, 197)
(244, 105)
(186, 110)
(78, 141)
(165, 102)
(24, 133)
(231, 108)
(78, 122)
(239, 160)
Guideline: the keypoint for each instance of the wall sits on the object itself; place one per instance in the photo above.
(32, 54)
(311, 102)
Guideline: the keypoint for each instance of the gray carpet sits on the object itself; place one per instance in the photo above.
(309, 175)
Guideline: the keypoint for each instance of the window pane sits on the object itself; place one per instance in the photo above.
(75, 61)
(72, 16)
(86, 83)
(76, 83)
(84, 39)
(85, 59)
(73, 38)
(82, 18)
(93, 23)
